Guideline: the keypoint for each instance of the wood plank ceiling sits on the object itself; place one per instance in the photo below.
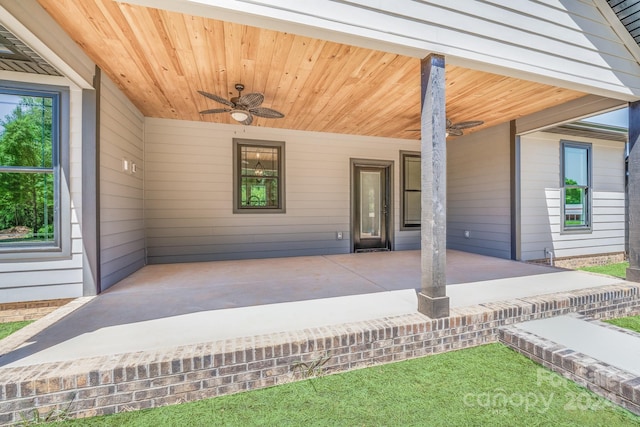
(161, 59)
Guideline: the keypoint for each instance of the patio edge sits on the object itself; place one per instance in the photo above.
(112, 384)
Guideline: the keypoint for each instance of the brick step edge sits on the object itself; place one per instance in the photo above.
(616, 385)
(118, 383)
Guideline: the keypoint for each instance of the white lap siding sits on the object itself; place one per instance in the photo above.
(541, 198)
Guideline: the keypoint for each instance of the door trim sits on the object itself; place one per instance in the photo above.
(386, 164)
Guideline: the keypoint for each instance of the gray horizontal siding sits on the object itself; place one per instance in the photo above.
(121, 193)
(31, 281)
(478, 188)
(188, 193)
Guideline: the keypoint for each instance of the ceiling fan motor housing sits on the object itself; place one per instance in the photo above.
(242, 107)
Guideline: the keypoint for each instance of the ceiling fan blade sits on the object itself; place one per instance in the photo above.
(467, 125)
(248, 121)
(266, 112)
(454, 131)
(250, 100)
(216, 110)
(216, 98)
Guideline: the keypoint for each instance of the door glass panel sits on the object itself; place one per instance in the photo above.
(370, 204)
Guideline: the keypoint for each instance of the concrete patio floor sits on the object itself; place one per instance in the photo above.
(166, 306)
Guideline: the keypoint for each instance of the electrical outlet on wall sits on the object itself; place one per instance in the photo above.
(467, 234)
(338, 235)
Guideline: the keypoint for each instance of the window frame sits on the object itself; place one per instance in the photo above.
(238, 143)
(403, 156)
(581, 229)
(60, 247)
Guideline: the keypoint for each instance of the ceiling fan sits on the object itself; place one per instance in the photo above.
(242, 107)
(456, 129)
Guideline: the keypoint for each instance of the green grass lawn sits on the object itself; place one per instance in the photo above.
(631, 322)
(617, 270)
(9, 328)
(489, 385)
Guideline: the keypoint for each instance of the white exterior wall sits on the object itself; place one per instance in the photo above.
(541, 196)
(121, 192)
(188, 193)
(478, 192)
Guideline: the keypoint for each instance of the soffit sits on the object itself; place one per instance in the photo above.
(18, 57)
(628, 11)
(161, 59)
(589, 130)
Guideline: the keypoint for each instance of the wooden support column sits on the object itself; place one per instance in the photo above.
(432, 298)
(633, 193)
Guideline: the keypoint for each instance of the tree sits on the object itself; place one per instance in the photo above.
(26, 198)
(572, 196)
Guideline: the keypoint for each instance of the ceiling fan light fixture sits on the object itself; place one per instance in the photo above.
(239, 115)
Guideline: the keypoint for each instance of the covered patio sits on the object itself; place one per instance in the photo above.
(175, 333)
(162, 307)
(195, 297)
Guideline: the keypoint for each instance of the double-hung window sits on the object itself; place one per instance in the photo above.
(411, 189)
(31, 214)
(576, 186)
(258, 176)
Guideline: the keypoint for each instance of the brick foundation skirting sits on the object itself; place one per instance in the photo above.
(111, 384)
(583, 261)
(615, 385)
(29, 310)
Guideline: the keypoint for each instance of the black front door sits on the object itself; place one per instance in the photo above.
(371, 207)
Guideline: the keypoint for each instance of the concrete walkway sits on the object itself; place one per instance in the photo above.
(166, 306)
(596, 355)
(611, 346)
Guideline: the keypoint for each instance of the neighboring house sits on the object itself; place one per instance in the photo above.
(129, 172)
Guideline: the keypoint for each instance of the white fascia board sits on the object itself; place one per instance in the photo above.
(36, 78)
(459, 47)
(568, 112)
(23, 33)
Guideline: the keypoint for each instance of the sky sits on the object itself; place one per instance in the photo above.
(7, 105)
(615, 118)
